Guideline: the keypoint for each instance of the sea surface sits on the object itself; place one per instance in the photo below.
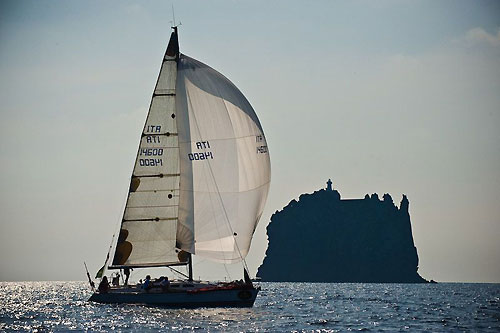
(280, 307)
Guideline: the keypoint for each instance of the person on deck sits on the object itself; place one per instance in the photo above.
(147, 283)
(126, 271)
(116, 280)
(103, 286)
(164, 283)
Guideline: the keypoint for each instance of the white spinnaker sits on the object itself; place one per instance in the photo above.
(225, 167)
(149, 226)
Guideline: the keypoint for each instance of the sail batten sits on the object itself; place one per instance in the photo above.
(160, 175)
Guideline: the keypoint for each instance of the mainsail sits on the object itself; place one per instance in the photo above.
(202, 171)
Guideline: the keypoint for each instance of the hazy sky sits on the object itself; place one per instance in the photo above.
(380, 96)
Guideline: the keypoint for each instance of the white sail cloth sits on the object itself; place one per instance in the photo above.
(202, 171)
(149, 225)
(225, 166)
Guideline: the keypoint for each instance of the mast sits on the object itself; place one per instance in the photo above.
(190, 268)
(173, 50)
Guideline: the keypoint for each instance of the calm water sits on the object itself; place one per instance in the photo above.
(280, 307)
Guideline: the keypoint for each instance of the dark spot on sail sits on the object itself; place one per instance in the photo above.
(235, 234)
(157, 219)
(167, 134)
(170, 196)
(183, 256)
(134, 184)
(123, 248)
(173, 115)
(123, 235)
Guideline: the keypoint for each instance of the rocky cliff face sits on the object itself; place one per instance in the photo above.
(321, 238)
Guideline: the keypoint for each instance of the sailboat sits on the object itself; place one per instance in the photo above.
(198, 187)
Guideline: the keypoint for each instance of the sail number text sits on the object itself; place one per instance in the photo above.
(261, 147)
(150, 152)
(204, 155)
(146, 155)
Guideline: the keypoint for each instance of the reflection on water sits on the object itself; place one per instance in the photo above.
(323, 307)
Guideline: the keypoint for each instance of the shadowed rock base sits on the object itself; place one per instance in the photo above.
(321, 238)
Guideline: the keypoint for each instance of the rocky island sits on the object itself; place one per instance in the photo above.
(323, 238)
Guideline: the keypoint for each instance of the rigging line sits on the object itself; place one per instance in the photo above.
(217, 186)
(178, 272)
(216, 224)
(218, 192)
(220, 238)
(118, 223)
(206, 182)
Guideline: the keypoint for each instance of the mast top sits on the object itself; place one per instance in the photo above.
(173, 44)
(174, 26)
